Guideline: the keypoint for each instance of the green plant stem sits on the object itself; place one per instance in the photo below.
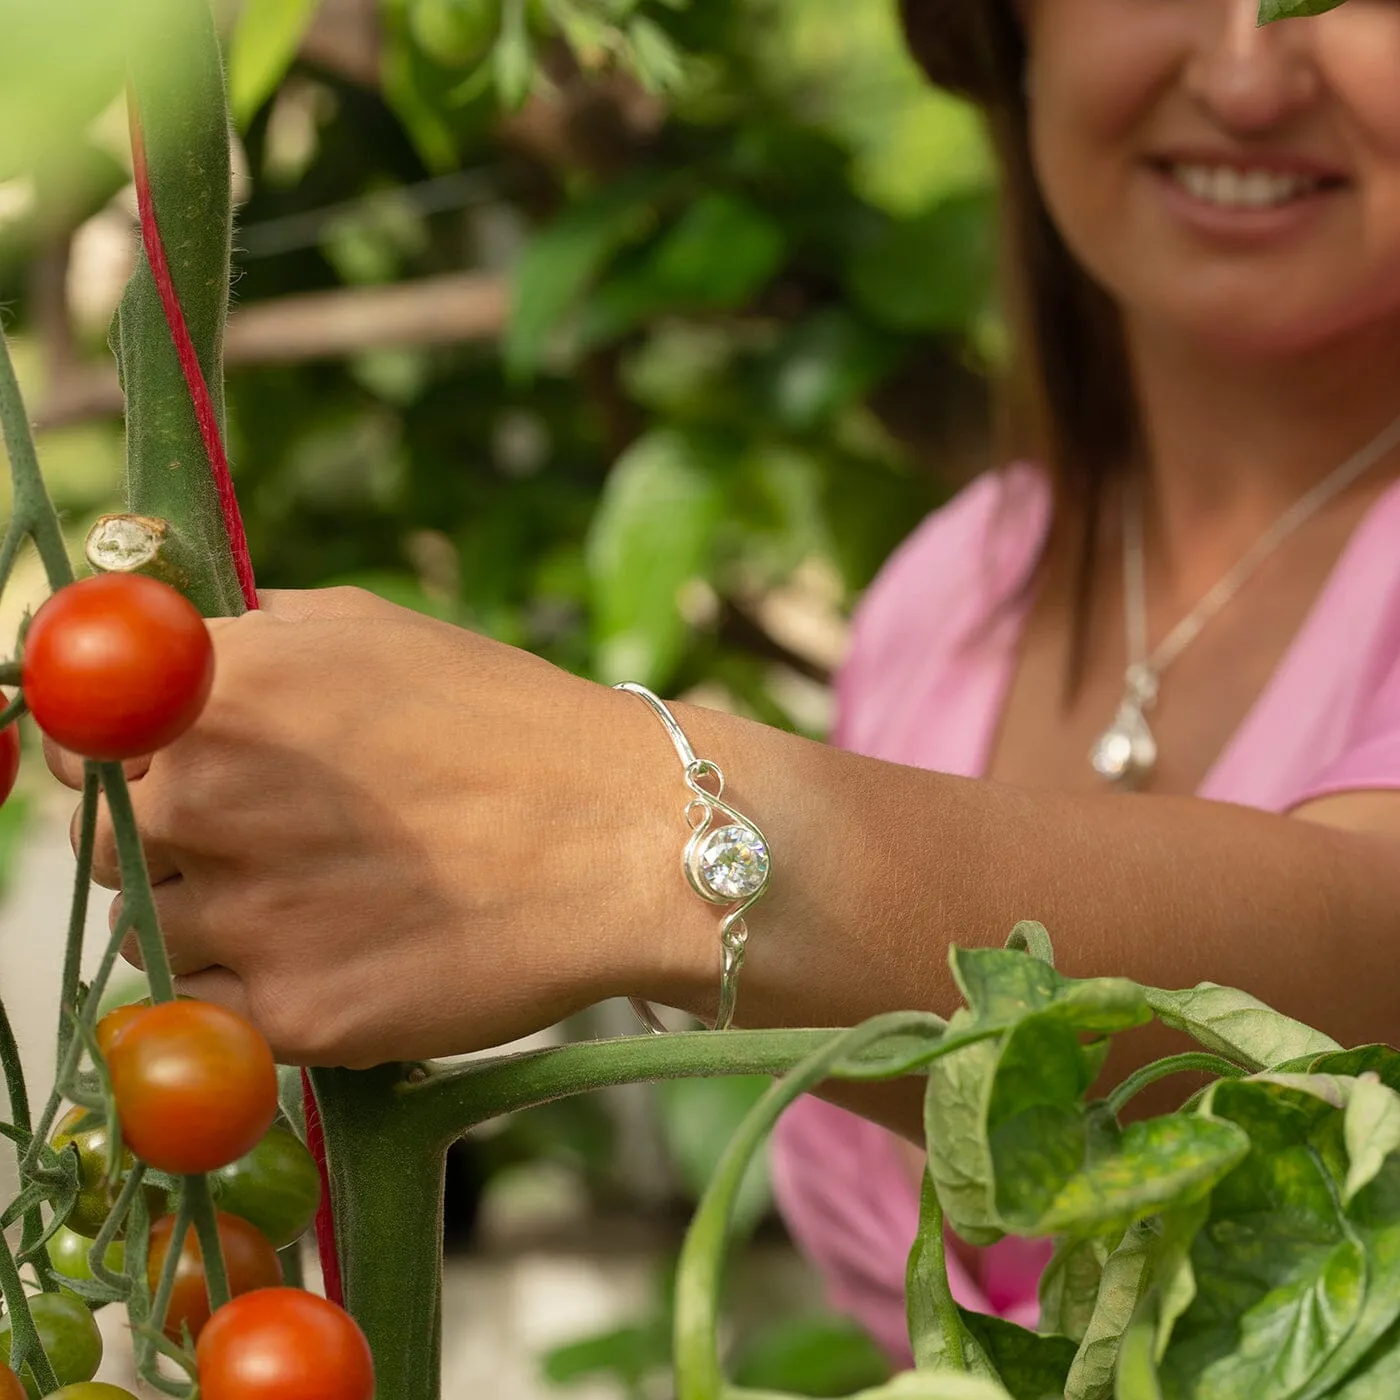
(160, 1304)
(77, 917)
(137, 902)
(386, 1167)
(293, 1274)
(453, 1100)
(68, 1066)
(211, 1249)
(25, 1347)
(111, 1228)
(1194, 1061)
(18, 1094)
(33, 510)
(700, 1268)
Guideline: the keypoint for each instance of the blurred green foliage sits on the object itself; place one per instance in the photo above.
(749, 257)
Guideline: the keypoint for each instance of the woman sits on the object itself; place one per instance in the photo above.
(390, 839)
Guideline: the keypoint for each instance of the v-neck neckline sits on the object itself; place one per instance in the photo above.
(1001, 675)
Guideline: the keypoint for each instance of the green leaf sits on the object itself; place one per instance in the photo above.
(1271, 10)
(565, 257)
(652, 534)
(514, 58)
(938, 1333)
(1371, 1127)
(697, 1118)
(628, 1354)
(1137, 1377)
(1280, 1275)
(1161, 1162)
(1124, 1281)
(931, 273)
(1001, 984)
(655, 59)
(821, 1356)
(265, 40)
(1069, 1285)
(930, 1385)
(955, 1123)
(1030, 1366)
(1237, 1025)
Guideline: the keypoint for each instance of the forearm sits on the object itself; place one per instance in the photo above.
(879, 868)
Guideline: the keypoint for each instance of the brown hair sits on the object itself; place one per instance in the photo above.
(1068, 400)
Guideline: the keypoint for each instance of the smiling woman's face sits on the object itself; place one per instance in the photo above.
(1226, 181)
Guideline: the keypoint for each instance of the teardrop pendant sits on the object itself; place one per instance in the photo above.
(1126, 752)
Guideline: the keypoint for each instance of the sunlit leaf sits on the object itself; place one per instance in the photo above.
(265, 41)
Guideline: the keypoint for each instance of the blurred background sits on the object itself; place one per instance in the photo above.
(634, 332)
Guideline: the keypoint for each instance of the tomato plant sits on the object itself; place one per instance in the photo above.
(276, 1187)
(10, 1387)
(251, 1262)
(68, 1335)
(117, 666)
(194, 1083)
(281, 1342)
(68, 1253)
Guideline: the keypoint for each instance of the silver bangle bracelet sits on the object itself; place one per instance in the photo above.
(726, 861)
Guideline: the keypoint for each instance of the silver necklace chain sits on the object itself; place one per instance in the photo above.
(1127, 751)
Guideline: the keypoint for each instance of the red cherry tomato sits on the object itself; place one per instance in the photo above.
(117, 666)
(250, 1260)
(281, 1342)
(116, 1021)
(10, 1388)
(9, 757)
(195, 1086)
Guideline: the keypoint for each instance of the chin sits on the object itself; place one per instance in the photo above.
(1273, 322)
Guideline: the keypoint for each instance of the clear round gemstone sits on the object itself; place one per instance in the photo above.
(1113, 754)
(733, 862)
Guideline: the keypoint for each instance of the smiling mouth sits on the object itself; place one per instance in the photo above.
(1229, 187)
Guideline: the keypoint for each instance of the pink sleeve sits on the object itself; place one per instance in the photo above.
(1370, 757)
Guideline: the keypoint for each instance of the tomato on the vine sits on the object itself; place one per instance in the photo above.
(69, 1251)
(67, 1332)
(276, 1187)
(280, 1342)
(87, 1132)
(10, 1387)
(195, 1086)
(9, 758)
(117, 666)
(250, 1260)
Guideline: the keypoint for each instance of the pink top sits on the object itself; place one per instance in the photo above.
(931, 661)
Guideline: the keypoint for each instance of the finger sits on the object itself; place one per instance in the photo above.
(186, 949)
(161, 861)
(69, 768)
(321, 604)
(216, 984)
(200, 920)
(66, 767)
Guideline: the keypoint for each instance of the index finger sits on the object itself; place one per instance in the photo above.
(67, 767)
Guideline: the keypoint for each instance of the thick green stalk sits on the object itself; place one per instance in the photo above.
(386, 1175)
(179, 91)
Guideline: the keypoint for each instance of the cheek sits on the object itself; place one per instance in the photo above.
(1093, 81)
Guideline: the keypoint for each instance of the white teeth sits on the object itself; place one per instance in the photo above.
(1232, 188)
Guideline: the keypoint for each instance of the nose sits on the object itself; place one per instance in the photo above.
(1251, 78)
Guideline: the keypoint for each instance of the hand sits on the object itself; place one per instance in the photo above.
(388, 838)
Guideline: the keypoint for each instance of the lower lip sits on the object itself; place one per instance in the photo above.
(1241, 223)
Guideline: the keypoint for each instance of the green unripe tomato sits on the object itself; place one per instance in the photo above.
(67, 1332)
(88, 1133)
(457, 33)
(92, 1390)
(68, 1253)
(275, 1187)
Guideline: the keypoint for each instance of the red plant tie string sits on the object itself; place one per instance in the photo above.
(238, 544)
(189, 360)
